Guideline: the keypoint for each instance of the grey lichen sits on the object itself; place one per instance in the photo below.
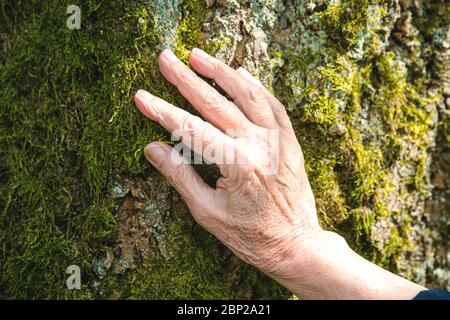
(166, 15)
(366, 85)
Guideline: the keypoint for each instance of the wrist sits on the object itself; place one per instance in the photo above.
(313, 268)
(309, 255)
(327, 268)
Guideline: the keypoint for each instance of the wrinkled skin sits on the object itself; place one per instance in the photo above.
(261, 213)
(262, 207)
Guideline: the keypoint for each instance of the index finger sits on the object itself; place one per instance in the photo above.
(196, 134)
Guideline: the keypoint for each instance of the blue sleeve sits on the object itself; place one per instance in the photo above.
(433, 294)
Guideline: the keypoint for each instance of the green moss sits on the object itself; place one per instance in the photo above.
(69, 131)
(366, 89)
(189, 34)
(344, 20)
(331, 205)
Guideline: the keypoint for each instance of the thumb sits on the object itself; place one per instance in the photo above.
(201, 199)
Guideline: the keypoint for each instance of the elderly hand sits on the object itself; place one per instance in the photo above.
(262, 208)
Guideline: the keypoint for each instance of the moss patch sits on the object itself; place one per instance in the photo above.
(363, 117)
(70, 131)
(356, 77)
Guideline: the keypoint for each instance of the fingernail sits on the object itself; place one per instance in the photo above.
(170, 56)
(200, 53)
(154, 152)
(144, 94)
(145, 100)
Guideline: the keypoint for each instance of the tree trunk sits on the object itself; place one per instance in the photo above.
(367, 87)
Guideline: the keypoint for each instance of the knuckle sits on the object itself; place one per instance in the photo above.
(256, 94)
(255, 167)
(251, 167)
(214, 102)
(192, 125)
(182, 75)
(175, 175)
(219, 68)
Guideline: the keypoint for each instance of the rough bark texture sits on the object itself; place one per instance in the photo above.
(367, 86)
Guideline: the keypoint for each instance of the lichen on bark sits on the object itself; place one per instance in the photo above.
(367, 87)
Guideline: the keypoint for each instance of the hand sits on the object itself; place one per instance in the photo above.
(262, 208)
